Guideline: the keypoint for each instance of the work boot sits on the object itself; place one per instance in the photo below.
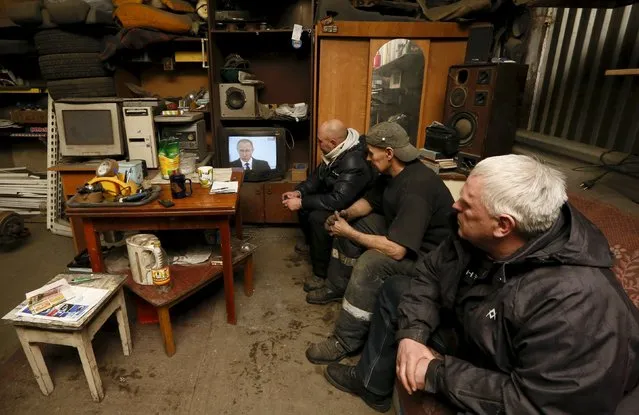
(328, 351)
(301, 248)
(323, 295)
(344, 378)
(313, 282)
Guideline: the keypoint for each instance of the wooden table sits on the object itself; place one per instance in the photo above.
(78, 334)
(199, 211)
(186, 280)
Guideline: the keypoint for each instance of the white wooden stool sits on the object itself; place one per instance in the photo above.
(78, 334)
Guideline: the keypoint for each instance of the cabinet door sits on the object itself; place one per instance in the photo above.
(274, 212)
(342, 93)
(252, 202)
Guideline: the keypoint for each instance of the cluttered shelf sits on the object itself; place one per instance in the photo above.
(272, 119)
(257, 32)
(22, 135)
(25, 128)
(22, 90)
(187, 39)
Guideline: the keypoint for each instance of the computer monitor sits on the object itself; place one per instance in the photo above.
(89, 129)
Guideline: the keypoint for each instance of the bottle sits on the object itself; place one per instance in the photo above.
(160, 271)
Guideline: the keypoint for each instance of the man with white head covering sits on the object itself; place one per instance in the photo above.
(339, 180)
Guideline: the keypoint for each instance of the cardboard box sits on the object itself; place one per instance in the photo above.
(298, 172)
(29, 116)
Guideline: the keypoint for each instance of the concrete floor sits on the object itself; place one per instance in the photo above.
(255, 367)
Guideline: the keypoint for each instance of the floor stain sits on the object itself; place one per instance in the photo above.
(328, 316)
(268, 314)
(294, 260)
(296, 325)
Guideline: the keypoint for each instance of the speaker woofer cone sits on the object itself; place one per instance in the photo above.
(457, 97)
(235, 98)
(465, 124)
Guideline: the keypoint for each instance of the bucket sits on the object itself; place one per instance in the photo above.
(141, 257)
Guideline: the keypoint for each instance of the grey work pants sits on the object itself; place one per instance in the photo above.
(359, 273)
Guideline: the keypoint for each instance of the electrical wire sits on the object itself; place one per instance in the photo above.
(608, 167)
(292, 142)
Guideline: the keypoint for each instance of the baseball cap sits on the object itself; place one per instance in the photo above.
(390, 134)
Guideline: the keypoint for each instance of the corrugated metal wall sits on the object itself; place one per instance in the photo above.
(573, 98)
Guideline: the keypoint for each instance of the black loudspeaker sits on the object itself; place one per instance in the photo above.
(480, 43)
(482, 104)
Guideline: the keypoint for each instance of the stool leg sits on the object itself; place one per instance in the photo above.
(123, 325)
(166, 330)
(85, 350)
(36, 361)
(248, 276)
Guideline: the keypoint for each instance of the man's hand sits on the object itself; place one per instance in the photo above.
(336, 225)
(293, 204)
(291, 195)
(330, 221)
(409, 355)
(420, 373)
(344, 214)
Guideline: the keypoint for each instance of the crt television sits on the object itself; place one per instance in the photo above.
(89, 129)
(260, 151)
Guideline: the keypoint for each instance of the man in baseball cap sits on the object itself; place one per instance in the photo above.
(405, 214)
(392, 135)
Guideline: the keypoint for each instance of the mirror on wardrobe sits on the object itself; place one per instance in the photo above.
(396, 90)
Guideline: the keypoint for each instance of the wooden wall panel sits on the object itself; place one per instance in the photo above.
(443, 54)
(343, 83)
(374, 46)
(390, 30)
(314, 105)
(424, 44)
(175, 83)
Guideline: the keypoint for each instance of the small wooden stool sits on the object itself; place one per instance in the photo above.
(78, 334)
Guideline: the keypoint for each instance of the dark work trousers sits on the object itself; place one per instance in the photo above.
(317, 238)
(359, 273)
(376, 367)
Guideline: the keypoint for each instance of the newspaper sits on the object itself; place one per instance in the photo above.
(48, 296)
(78, 302)
(224, 187)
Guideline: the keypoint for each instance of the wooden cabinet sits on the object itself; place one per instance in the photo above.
(274, 212)
(252, 202)
(262, 202)
(286, 71)
(344, 62)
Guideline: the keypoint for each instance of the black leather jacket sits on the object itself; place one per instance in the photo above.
(553, 332)
(338, 185)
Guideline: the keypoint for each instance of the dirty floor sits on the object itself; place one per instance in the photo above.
(255, 367)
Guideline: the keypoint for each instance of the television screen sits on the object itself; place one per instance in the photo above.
(253, 153)
(88, 127)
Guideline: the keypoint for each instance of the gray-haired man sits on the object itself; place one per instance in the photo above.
(535, 322)
(405, 214)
